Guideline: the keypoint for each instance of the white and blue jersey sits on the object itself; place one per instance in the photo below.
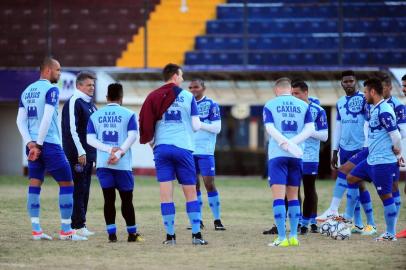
(351, 113)
(175, 127)
(205, 142)
(33, 99)
(289, 115)
(111, 125)
(312, 145)
(382, 121)
(399, 108)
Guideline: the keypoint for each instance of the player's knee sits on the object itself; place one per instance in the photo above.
(352, 179)
(210, 187)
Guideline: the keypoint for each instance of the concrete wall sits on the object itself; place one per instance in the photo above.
(10, 141)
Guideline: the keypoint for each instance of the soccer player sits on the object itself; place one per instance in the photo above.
(348, 140)
(311, 157)
(75, 116)
(37, 122)
(205, 142)
(112, 130)
(384, 145)
(288, 121)
(173, 146)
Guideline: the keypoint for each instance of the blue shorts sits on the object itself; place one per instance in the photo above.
(344, 157)
(119, 179)
(172, 163)
(382, 175)
(310, 168)
(205, 165)
(51, 159)
(285, 171)
(360, 156)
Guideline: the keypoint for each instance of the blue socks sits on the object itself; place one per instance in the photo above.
(398, 201)
(365, 199)
(168, 217)
(305, 221)
(338, 192)
(352, 195)
(214, 202)
(132, 229)
(33, 207)
(390, 215)
(294, 215)
(111, 228)
(193, 212)
(357, 214)
(199, 199)
(279, 214)
(65, 207)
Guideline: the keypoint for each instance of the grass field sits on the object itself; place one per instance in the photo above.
(246, 209)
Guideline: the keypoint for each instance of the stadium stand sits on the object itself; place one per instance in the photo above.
(169, 39)
(303, 33)
(91, 33)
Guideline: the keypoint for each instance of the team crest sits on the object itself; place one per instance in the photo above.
(354, 105)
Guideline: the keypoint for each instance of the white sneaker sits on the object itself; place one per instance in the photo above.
(40, 236)
(71, 236)
(84, 232)
(326, 215)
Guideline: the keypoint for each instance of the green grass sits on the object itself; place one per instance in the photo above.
(246, 212)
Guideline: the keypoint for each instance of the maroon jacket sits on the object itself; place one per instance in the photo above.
(155, 105)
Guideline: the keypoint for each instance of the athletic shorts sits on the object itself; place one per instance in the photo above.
(310, 168)
(344, 157)
(119, 179)
(360, 156)
(285, 171)
(53, 160)
(382, 175)
(172, 163)
(205, 165)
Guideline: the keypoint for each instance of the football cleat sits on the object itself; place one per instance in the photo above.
(326, 215)
(71, 236)
(84, 232)
(401, 234)
(369, 230)
(273, 230)
(314, 228)
(279, 243)
(304, 230)
(40, 236)
(218, 226)
(356, 229)
(135, 237)
(197, 239)
(386, 237)
(293, 241)
(170, 240)
(112, 238)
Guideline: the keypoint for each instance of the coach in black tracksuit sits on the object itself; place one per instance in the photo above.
(75, 115)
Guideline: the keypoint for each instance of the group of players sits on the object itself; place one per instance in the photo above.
(367, 139)
(171, 121)
(181, 127)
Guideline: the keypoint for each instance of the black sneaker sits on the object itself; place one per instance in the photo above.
(273, 230)
(198, 240)
(314, 228)
(218, 226)
(303, 230)
(201, 226)
(112, 238)
(170, 240)
(135, 237)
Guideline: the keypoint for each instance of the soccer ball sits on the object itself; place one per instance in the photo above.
(327, 227)
(342, 232)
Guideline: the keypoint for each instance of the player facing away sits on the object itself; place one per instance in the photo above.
(205, 142)
(348, 140)
(173, 146)
(384, 145)
(37, 122)
(112, 130)
(311, 157)
(288, 121)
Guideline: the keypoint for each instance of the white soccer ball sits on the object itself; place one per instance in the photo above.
(342, 232)
(328, 226)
